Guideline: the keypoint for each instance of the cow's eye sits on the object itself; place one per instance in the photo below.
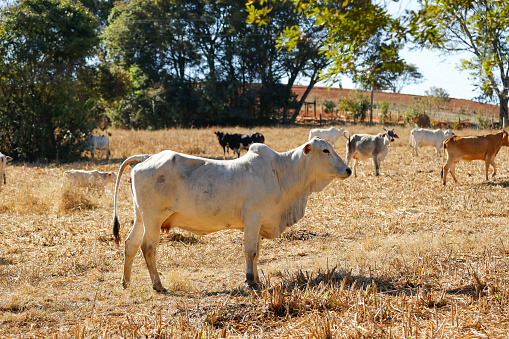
(326, 151)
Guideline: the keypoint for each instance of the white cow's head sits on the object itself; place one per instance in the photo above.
(390, 133)
(324, 160)
(448, 133)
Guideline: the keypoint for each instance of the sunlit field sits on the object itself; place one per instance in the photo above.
(393, 256)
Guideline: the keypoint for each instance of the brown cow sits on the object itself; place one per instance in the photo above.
(480, 147)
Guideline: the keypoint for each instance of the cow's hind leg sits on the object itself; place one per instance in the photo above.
(445, 169)
(251, 248)
(132, 244)
(492, 162)
(149, 244)
(453, 171)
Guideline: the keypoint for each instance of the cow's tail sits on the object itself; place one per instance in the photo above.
(444, 147)
(411, 142)
(346, 135)
(130, 160)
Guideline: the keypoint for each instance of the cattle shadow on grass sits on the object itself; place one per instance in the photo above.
(501, 183)
(342, 279)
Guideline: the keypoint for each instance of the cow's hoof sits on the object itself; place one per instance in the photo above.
(253, 285)
(125, 284)
(160, 289)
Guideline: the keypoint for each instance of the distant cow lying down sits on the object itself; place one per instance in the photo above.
(479, 147)
(93, 178)
(262, 193)
(4, 159)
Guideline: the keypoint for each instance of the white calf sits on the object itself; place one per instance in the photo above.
(90, 178)
(330, 134)
(98, 142)
(426, 137)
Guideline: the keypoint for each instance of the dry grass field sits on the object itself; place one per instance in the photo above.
(394, 256)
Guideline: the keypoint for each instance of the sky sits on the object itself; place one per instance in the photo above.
(438, 70)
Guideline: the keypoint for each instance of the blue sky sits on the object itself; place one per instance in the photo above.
(439, 71)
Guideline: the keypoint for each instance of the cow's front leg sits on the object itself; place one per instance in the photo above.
(251, 248)
(355, 167)
(377, 164)
(255, 261)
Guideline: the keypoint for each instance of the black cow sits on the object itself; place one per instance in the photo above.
(236, 142)
(222, 141)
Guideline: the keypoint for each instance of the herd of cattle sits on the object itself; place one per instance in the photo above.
(261, 193)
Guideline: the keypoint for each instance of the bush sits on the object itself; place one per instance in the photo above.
(355, 108)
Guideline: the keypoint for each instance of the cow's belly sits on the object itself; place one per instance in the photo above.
(472, 157)
(201, 225)
(362, 156)
(426, 143)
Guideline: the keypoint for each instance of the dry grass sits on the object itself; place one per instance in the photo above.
(394, 256)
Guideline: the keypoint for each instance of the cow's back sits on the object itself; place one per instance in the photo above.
(207, 192)
(471, 147)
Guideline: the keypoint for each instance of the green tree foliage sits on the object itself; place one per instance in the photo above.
(198, 63)
(401, 78)
(348, 26)
(437, 97)
(45, 98)
(475, 26)
(329, 107)
(355, 108)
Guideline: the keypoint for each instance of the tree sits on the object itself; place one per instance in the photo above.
(346, 25)
(409, 75)
(437, 96)
(375, 67)
(478, 27)
(46, 105)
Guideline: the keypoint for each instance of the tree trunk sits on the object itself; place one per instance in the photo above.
(302, 100)
(504, 99)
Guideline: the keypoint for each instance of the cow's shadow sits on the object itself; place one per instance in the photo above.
(342, 279)
(499, 183)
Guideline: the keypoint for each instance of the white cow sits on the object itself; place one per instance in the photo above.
(426, 137)
(365, 146)
(4, 159)
(90, 178)
(330, 134)
(262, 193)
(98, 142)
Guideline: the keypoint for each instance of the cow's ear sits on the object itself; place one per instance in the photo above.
(307, 149)
(9, 158)
(395, 135)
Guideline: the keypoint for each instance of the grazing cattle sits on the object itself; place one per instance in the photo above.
(261, 193)
(236, 142)
(480, 147)
(4, 159)
(90, 178)
(223, 141)
(426, 137)
(330, 134)
(98, 142)
(365, 146)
